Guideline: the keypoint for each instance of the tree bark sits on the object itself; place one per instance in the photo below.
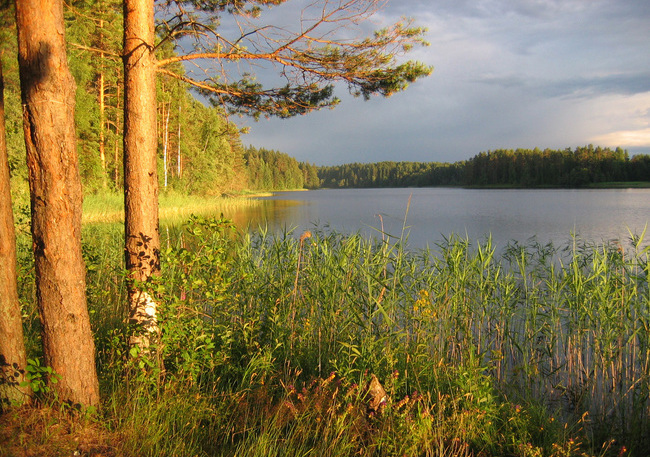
(116, 146)
(48, 95)
(102, 116)
(13, 359)
(142, 237)
(166, 140)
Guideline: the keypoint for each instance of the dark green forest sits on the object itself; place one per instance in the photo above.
(579, 167)
(582, 166)
(392, 174)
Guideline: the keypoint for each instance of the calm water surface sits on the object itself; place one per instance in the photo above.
(427, 215)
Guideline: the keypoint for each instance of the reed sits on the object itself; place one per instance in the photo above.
(565, 328)
(269, 339)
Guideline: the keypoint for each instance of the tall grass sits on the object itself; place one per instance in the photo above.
(175, 208)
(566, 328)
(268, 341)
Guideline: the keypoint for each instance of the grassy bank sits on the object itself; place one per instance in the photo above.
(174, 207)
(269, 343)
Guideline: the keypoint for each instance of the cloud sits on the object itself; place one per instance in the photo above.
(508, 73)
(622, 121)
(483, 9)
(579, 87)
(629, 138)
(624, 84)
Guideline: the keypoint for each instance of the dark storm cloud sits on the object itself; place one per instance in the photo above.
(580, 87)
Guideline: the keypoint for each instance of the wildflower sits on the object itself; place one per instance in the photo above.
(290, 406)
(402, 402)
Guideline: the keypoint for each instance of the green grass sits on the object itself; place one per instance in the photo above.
(174, 207)
(268, 343)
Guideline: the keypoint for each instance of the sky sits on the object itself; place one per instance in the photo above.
(507, 74)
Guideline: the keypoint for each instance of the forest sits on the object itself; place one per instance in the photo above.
(392, 174)
(274, 170)
(582, 166)
(200, 149)
(579, 167)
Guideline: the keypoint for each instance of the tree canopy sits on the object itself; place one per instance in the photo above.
(309, 53)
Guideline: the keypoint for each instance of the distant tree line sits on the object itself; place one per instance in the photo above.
(579, 167)
(274, 170)
(555, 168)
(392, 174)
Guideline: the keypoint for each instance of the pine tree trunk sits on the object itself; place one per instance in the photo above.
(12, 346)
(48, 95)
(142, 235)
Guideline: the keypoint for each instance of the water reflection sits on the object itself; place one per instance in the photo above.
(428, 215)
(271, 214)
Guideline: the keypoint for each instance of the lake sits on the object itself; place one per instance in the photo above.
(426, 215)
